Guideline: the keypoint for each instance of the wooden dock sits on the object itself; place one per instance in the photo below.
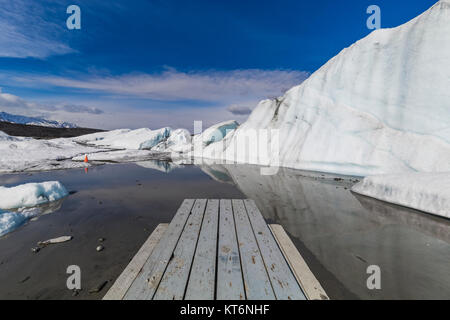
(217, 249)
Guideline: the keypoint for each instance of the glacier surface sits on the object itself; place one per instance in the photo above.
(380, 106)
(429, 192)
(27, 154)
(138, 139)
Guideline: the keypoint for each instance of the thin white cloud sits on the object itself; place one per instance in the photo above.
(25, 32)
(76, 108)
(13, 104)
(146, 100)
(223, 87)
(11, 101)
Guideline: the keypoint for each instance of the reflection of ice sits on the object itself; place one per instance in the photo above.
(218, 173)
(164, 166)
(345, 233)
(12, 219)
(434, 226)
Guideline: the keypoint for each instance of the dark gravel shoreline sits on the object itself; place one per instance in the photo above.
(39, 132)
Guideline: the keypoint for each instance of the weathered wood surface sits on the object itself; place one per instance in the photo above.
(256, 280)
(218, 249)
(173, 283)
(310, 285)
(126, 278)
(201, 284)
(229, 274)
(283, 281)
(145, 285)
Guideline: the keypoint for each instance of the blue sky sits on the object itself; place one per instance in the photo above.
(145, 63)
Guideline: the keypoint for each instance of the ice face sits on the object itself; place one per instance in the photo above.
(154, 138)
(428, 192)
(31, 194)
(379, 106)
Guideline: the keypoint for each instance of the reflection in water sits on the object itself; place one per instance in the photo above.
(163, 166)
(338, 233)
(12, 219)
(346, 233)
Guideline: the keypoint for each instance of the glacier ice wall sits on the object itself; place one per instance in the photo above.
(380, 106)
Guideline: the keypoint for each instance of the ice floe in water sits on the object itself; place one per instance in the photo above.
(31, 194)
(21, 203)
(428, 192)
(10, 220)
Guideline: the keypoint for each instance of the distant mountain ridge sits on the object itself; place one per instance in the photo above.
(12, 118)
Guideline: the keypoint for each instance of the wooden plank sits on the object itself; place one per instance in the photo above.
(283, 281)
(310, 285)
(201, 285)
(256, 281)
(146, 283)
(174, 281)
(126, 278)
(229, 274)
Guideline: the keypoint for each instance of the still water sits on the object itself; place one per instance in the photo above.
(337, 232)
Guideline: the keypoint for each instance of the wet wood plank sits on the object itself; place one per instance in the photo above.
(308, 282)
(126, 278)
(229, 274)
(146, 283)
(201, 285)
(283, 281)
(256, 280)
(174, 281)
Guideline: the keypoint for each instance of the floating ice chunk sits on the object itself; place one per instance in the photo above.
(428, 192)
(12, 219)
(31, 194)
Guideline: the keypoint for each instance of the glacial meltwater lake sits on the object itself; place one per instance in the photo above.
(338, 233)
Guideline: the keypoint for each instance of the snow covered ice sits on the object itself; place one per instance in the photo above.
(212, 142)
(138, 139)
(28, 154)
(429, 192)
(31, 194)
(216, 132)
(379, 106)
(21, 203)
